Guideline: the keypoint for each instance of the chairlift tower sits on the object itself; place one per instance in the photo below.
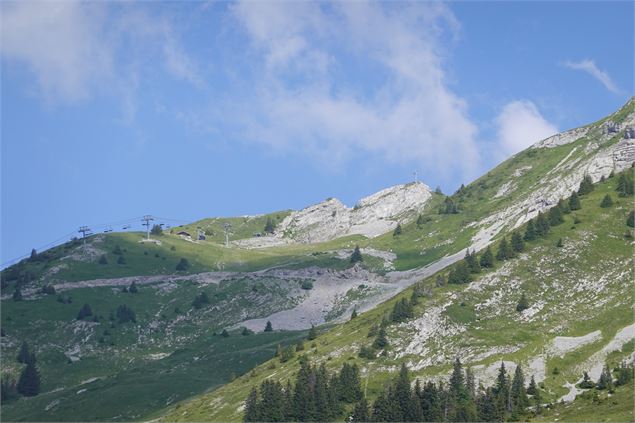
(227, 227)
(147, 219)
(84, 230)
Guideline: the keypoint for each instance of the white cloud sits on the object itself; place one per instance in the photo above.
(301, 102)
(521, 125)
(591, 68)
(76, 49)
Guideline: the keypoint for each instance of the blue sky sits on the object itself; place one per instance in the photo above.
(186, 110)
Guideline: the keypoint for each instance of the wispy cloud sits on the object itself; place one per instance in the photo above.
(591, 68)
(304, 102)
(76, 49)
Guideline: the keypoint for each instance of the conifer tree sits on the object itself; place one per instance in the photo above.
(607, 202)
(420, 221)
(381, 341)
(518, 245)
(530, 231)
(574, 201)
(630, 220)
(486, 406)
(312, 333)
(606, 379)
(133, 288)
(625, 186)
(361, 413)
(555, 216)
(251, 407)
(501, 391)
(354, 314)
(487, 259)
(504, 252)
(103, 259)
(398, 230)
(121, 260)
(17, 294)
(564, 206)
(523, 303)
(402, 311)
(472, 261)
(518, 393)
(357, 255)
(560, 243)
(269, 226)
(29, 382)
(532, 388)
(586, 186)
(85, 311)
(460, 273)
(586, 383)
(268, 327)
(24, 355)
(542, 225)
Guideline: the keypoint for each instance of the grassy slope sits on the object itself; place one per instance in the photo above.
(594, 407)
(133, 382)
(242, 227)
(601, 248)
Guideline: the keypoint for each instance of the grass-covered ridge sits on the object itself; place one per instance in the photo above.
(573, 290)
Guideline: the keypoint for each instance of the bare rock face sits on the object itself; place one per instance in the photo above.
(372, 216)
(600, 157)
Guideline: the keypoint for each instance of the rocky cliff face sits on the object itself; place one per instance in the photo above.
(602, 148)
(372, 216)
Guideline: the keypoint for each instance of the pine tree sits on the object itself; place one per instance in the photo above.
(182, 265)
(103, 259)
(29, 382)
(560, 243)
(402, 311)
(224, 333)
(381, 341)
(268, 327)
(532, 389)
(17, 294)
(564, 206)
(312, 333)
(397, 230)
(360, 412)
(607, 202)
(472, 262)
(574, 201)
(586, 383)
(504, 252)
(121, 260)
(606, 379)
(542, 225)
(85, 311)
(486, 406)
(523, 303)
(517, 243)
(251, 407)
(403, 396)
(625, 186)
(133, 288)
(460, 273)
(487, 259)
(420, 221)
(586, 186)
(357, 255)
(354, 314)
(501, 391)
(630, 220)
(530, 231)
(24, 355)
(555, 216)
(270, 226)
(518, 393)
